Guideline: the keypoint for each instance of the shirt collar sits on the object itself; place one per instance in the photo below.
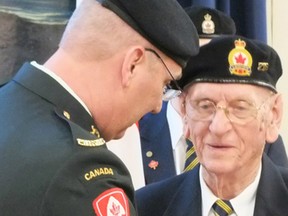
(175, 125)
(243, 204)
(61, 82)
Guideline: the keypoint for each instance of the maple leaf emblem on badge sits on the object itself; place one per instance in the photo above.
(240, 59)
(115, 208)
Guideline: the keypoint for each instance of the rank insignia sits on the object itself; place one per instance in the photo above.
(153, 164)
(240, 60)
(208, 26)
(94, 131)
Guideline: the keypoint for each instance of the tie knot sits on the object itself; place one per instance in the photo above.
(222, 208)
(189, 143)
(191, 159)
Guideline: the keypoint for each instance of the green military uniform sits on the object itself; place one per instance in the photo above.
(53, 159)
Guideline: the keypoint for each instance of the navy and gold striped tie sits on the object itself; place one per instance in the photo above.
(191, 159)
(222, 208)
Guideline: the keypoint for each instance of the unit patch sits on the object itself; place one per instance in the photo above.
(112, 202)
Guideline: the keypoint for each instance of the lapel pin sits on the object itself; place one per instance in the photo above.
(153, 164)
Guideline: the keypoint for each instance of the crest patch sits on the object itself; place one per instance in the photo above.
(240, 60)
(112, 202)
(208, 26)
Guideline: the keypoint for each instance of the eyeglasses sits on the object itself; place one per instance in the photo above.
(168, 91)
(237, 111)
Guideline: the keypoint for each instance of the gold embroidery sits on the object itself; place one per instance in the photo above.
(91, 143)
(98, 172)
(94, 131)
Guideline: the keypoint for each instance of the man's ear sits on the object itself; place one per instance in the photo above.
(274, 120)
(132, 58)
(178, 104)
(186, 129)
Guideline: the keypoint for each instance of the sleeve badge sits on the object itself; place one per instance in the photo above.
(112, 202)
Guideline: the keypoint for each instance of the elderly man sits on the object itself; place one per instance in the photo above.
(56, 117)
(209, 24)
(163, 148)
(230, 108)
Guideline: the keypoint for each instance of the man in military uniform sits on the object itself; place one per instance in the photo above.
(56, 117)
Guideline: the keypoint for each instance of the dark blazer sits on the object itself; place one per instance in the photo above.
(155, 138)
(51, 161)
(277, 153)
(181, 195)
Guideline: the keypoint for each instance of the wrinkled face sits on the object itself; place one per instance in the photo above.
(223, 145)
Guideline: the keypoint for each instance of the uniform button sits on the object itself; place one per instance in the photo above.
(66, 114)
(149, 153)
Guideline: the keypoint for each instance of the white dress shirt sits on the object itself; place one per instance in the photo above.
(177, 140)
(243, 204)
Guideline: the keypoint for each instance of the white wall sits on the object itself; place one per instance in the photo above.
(277, 11)
(78, 2)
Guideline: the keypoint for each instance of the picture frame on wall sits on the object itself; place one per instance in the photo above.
(30, 30)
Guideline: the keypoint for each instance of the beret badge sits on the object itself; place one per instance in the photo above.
(240, 60)
(208, 26)
(263, 66)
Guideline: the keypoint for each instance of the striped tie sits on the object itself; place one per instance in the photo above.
(191, 159)
(222, 208)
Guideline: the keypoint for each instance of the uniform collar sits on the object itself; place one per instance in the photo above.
(61, 82)
(49, 89)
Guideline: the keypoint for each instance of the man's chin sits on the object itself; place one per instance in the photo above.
(120, 135)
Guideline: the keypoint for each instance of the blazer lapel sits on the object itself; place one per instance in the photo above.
(187, 200)
(272, 193)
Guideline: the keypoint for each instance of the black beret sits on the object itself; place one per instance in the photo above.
(234, 59)
(164, 23)
(211, 22)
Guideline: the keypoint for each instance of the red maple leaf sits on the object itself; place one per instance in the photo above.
(240, 59)
(115, 210)
(153, 164)
(208, 25)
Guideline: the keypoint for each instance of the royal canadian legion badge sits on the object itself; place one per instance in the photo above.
(240, 60)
